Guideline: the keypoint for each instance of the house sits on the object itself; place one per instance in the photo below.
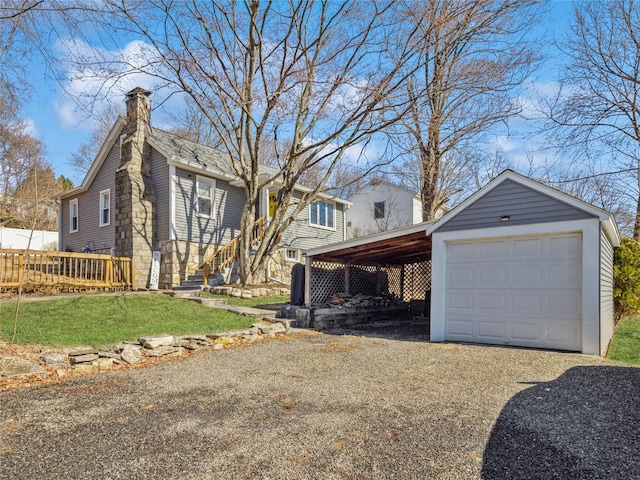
(380, 206)
(517, 263)
(149, 190)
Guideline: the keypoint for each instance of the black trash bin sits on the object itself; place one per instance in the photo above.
(297, 284)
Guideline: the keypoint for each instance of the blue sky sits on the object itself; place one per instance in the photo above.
(63, 127)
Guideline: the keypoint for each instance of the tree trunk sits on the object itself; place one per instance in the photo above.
(636, 224)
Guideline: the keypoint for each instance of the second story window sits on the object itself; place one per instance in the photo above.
(378, 210)
(322, 214)
(105, 207)
(205, 196)
(73, 215)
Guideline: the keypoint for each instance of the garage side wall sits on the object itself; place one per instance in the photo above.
(606, 292)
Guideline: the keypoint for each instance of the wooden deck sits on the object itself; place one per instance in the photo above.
(40, 269)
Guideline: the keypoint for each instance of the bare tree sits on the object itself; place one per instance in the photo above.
(319, 76)
(596, 113)
(474, 58)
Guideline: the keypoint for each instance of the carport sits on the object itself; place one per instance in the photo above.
(395, 263)
(517, 263)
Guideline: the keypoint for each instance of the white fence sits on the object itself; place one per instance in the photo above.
(19, 239)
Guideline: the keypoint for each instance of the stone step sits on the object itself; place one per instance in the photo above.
(208, 301)
(184, 292)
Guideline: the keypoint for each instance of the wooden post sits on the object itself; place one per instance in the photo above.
(20, 267)
(378, 286)
(205, 273)
(132, 274)
(109, 272)
(307, 282)
(347, 275)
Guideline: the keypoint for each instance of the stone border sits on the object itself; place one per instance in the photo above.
(91, 360)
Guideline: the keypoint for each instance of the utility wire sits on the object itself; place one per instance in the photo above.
(594, 176)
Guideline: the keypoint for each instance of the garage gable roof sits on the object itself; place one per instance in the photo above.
(555, 198)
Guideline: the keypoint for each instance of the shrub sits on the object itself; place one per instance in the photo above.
(626, 278)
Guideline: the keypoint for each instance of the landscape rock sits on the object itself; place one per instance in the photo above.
(131, 354)
(86, 358)
(155, 342)
(16, 366)
(55, 359)
(86, 367)
(104, 363)
(79, 351)
(163, 350)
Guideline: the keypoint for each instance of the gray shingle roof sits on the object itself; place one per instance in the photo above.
(195, 155)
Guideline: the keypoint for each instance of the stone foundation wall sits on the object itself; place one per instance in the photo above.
(280, 268)
(179, 259)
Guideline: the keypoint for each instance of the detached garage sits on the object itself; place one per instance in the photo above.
(523, 264)
(517, 263)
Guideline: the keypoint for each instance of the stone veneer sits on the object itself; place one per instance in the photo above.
(180, 259)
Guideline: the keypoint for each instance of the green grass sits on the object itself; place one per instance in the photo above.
(106, 320)
(625, 344)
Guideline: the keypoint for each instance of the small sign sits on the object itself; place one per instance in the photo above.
(155, 271)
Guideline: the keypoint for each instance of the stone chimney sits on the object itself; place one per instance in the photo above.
(135, 193)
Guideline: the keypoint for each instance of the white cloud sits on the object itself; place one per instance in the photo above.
(97, 77)
(30, 128)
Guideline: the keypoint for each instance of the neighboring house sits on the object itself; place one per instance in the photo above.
(21, 239)
(149, 190)
(517, 263)
(382, 206)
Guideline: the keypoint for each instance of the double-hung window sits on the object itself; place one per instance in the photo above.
(322, 214)
(73, 215)
(378, 210)
(205, 188)
(105, 207)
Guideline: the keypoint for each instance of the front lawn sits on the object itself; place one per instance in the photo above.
(625, 344)
(106, 320)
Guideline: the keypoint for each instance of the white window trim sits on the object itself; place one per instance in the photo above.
(292, 259)
(77, 216)
(212, 182)
(102, 192)
(323, 227)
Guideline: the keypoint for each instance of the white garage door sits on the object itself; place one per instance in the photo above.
(522, 291)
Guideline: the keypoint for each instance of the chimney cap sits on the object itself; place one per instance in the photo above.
(138, 91)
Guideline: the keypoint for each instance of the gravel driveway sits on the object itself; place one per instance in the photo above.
(328, 406)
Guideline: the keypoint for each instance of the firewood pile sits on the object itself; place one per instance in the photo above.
(345, 300)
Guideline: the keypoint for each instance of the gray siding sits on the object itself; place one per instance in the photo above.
(160, 179)
(303, 236)
(523, 205)
(89, 230)
(606, 291)
(228, 206)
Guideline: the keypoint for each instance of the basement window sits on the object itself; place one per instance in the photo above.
(292, 255)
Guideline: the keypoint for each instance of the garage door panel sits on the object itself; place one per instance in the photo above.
(530, 331)
(564, 303)
(492, 302)
(515, 291)
(461, 328)
(462, 301)
(491, 331)
(491, 250)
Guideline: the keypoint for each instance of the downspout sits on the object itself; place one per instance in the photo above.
(59, 202)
